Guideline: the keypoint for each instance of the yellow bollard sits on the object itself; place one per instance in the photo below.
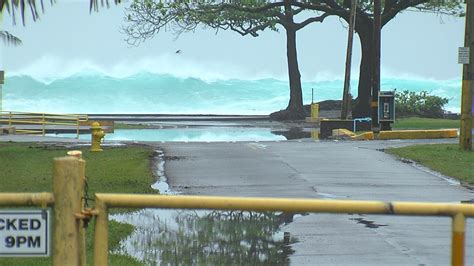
(67, 191)
(314, 111)
(314, 134)
(97, 135)
(314, 114)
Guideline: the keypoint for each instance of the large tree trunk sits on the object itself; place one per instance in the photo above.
(295, 109)
(296, 98)
(362, 106)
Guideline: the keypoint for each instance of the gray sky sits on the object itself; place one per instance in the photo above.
(68, 38)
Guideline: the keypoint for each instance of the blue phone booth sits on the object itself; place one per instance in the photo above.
(386, 114)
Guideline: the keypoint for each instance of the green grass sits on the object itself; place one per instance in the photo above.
(28, 168)
(447, 159)
(425, 123)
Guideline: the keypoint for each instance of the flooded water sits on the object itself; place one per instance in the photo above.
(177, 237)
(205, 134)
(204, 237)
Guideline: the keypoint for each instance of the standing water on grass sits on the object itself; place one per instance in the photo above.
(174, 237)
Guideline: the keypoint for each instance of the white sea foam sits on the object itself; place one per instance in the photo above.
(50, 68)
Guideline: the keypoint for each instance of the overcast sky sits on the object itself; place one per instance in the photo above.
(68, 37)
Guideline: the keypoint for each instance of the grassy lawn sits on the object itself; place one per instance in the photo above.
(425, 123)
(28, 168)
(447, 159)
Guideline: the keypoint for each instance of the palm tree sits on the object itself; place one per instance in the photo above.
(9, 38)
(15, 6)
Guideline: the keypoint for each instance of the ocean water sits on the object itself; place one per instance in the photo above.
(146, 92)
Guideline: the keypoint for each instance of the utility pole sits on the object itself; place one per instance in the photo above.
(347, 79)
(465, 138)
(376, 65)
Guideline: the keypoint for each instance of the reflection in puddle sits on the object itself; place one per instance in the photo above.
(294, 133)
(207, 237)
(204, 237)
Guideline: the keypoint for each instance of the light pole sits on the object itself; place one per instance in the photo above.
(465, 137)
(347, 78)
(376, 65)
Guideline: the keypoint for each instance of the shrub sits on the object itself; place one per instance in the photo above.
(409, 103)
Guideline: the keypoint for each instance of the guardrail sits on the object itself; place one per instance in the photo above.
(38, 122)
(70, 215)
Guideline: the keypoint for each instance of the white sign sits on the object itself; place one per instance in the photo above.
(463, 55)
(24, 233)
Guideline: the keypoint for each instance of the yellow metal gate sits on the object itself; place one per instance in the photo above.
(68, 193)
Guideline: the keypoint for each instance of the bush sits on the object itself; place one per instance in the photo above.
(409, 103)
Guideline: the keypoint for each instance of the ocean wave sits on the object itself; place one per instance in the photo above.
(49, 68)
(85, 88)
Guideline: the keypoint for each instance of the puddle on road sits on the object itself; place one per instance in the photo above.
(293, 133)
(367, 223)
(161, 183)
(204, 237)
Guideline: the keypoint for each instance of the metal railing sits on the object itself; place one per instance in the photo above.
(69, 213)
(39, 123)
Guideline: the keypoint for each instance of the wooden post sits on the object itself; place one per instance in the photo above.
(376, 65)
(78, 127)
(82, 226)
(465, 136)
(43, 121)
(347, 78)
(67, 189)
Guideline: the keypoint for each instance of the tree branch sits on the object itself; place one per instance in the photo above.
(311, 20)
(389, 14)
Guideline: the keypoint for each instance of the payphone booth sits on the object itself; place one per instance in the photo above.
(386, 113)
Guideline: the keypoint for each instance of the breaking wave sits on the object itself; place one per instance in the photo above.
(145, 87)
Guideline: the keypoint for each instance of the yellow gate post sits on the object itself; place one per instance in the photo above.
(457, 246)
(101, 234)
(67, 191)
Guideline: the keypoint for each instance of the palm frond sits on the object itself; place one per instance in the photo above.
(9, 38)
(14, 6)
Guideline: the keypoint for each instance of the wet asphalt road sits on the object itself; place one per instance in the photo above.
(340, 170)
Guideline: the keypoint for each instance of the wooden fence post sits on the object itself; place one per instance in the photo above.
(67, 191)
